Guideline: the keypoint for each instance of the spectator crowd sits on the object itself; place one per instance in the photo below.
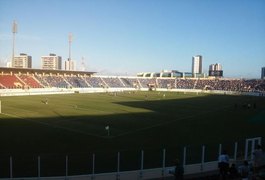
(38, 81)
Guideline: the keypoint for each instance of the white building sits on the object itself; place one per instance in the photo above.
(70, 65)
(51, 62)
(215, 67)
(215, 70)
(9, 64)
(196, 64)
(22, 61)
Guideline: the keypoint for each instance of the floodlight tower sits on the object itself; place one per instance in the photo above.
(14, 30)
(70, 39)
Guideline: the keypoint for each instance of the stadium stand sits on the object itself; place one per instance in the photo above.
(113, 82)
(20, 79)
(205, 84)
(30, 81)
(41, 80)
(11, 82)
(146, 82)
(56, 81)
(77, 82)
(167, 83)
(185, 83)
(130, 82)
(95, 81)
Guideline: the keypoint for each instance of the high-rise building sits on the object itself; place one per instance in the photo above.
(196, 64)
(216, 70)
(70, 65)
(263, 73)
(51, 62)
(22, 61)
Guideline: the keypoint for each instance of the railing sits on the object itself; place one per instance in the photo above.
(137, 174)
(142, 173)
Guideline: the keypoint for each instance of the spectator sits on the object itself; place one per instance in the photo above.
(179, 170)
(233, 173)
(223, 164)
(244, 171)
(259, 159)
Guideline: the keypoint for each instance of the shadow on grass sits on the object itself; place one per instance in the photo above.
(170, 124)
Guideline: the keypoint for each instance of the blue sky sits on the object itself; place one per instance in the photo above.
(119, 37)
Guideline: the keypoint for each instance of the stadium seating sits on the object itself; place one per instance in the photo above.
(185, 83)
(76, 82)
(56, 81)
(113, 82)
(40, 81)
(10, 82)
(30, 81)
(130, 82)
(167, 83)
(95, 82)
(145, 82)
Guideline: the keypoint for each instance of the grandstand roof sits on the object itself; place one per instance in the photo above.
(5, 70)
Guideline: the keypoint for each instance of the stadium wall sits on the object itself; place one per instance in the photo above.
(47, 91)
(190, 170)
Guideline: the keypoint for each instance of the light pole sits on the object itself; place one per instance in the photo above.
(14, 30)
(70, 39)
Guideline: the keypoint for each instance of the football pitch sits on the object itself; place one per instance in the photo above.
(106, 123)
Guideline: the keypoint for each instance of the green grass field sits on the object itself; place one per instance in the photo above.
(75, 125)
